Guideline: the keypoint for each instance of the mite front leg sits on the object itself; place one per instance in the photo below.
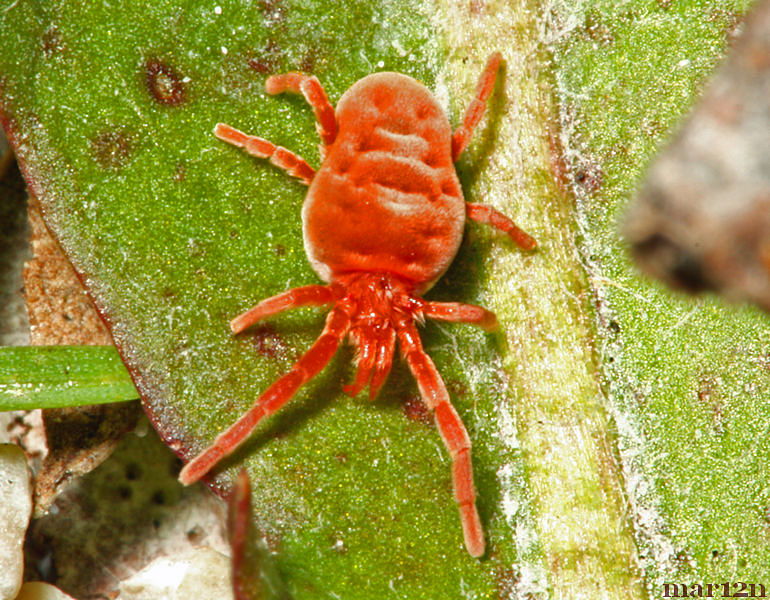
(476, 108)
(278, 394)
(383, 362)
(278, 155)
(435, 395)
(366, 352)
(481, 213)
(314, 94)
(309, 295)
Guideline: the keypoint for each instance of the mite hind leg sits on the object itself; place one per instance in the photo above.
(453, 432)
(272, 399)
(476, 108)
(481, 213)
(256, 146)
(458, 312)
(314, 94)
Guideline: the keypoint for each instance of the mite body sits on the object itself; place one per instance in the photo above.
(387, 188)
(382, 221)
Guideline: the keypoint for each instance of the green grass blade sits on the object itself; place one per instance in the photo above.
(60, 376)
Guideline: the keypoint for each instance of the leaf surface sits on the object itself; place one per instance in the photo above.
(595, 412)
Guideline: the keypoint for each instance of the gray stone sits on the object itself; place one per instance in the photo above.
(203, 574)
(15, 510)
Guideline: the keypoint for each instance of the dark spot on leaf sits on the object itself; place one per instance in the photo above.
(506, 579)
(309, 60)
(159, 498)
(341, 457)
(164, 83)
(414, 409)
(730, 20)
(614, 326)
(652, 128)
(124, 492)
(456, 388)
(268, 342)
(589, 177)
(709, 396)
(168, 292)
(133, 471)
(715, 554)
(683, 561)
(280, 250)
(665, 4)
(180, 172)
(52, 42)
(273, 11)
(234, 235)
(597, 29)
(195, 247)
(268, 59)
(112, 148)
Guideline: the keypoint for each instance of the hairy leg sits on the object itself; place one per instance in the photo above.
(366, 347)
(256, 146)
(458, 312)
(481, 213)
(374, 361)
(314, 94)
(382, 362)
(456, 440)
(476, 108)
(309, 295)
(272, 399)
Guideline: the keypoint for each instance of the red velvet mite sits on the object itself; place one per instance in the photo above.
(382, 221)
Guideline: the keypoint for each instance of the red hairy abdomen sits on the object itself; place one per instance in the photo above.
(386, 197)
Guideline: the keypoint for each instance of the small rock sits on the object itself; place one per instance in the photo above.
(36, 590)
(15, 509)
(203, 574)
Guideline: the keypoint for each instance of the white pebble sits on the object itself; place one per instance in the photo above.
(15, 509)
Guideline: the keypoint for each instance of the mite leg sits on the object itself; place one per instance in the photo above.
(461, 313)
(256, 146)
(436, 397)
(309, 295)
(478, 105)
(383, 362)
(278, 394)
(314, 94)
(366, 345)
(481, 213)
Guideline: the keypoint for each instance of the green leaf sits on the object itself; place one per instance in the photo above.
(687, 379)
(59, 376)
(600, 389)
(111, 111)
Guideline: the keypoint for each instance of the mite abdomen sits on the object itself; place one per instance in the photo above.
(386, 197)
